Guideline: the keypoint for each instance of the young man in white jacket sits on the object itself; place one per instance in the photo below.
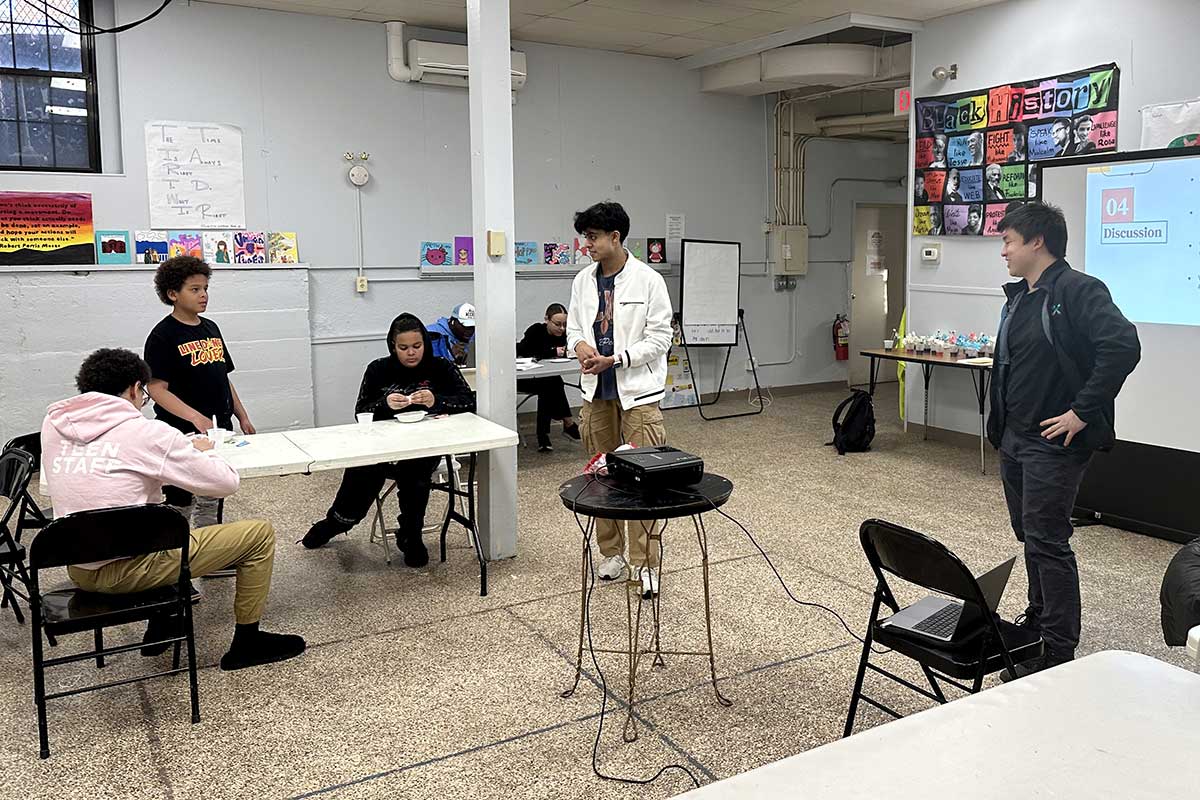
(619, 325)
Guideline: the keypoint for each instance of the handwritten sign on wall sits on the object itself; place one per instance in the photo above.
(194, 174)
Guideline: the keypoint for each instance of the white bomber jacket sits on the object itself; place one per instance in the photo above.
(641, 330)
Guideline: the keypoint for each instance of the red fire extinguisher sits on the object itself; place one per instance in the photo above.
(841, 338)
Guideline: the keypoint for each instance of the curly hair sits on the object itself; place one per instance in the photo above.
(111, 371)
(606, 217)
(172, 273)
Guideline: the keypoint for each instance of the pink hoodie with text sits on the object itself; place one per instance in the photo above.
(98, 451)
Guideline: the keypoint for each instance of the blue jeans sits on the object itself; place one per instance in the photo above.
(1041, 479)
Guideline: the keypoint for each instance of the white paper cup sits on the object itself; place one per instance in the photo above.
(887, 344)
(218, 436)
(364, 418)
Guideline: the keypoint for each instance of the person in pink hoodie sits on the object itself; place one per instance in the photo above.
(99, 451)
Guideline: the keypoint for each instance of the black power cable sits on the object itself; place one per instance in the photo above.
(87, 28)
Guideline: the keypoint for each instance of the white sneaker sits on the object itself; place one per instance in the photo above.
(649, 582)
(612, 567)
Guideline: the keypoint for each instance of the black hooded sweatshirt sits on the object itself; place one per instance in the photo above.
(385, 376)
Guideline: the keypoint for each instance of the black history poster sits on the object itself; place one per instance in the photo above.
(977, 152)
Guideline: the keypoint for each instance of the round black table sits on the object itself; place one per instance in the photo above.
(603, 498)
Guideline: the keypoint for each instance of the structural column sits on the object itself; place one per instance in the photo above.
(488, 45)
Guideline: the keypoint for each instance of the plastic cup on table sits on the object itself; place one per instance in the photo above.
(218, 436)
(365, 418)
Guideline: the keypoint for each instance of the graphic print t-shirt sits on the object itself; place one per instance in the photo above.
(195, 363)
(606, 388)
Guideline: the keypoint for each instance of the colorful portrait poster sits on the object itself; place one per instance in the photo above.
(437, 254)
(464, 251)
(990, 142)
(46, 228)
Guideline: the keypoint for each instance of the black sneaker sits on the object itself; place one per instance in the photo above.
(262, 648)
(413, 548)
(161, 626)
(1028, 620)
(320, 534)
(571, 432)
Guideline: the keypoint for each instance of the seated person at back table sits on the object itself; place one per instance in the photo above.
(410, 378)
(450, 336)
(548, 339)
(100, 452)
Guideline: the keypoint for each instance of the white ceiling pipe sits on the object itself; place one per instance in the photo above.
(397, 67)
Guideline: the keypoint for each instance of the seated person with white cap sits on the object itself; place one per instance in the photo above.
(451, 335)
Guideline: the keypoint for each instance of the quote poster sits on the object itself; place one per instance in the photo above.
(46, 228)
(977, 152)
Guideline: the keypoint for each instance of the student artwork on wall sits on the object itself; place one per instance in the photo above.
(112, 247)
(249, 247)
(464, 251)
(557, 253)
(184, 243)
(656, 251)
(46, 228)
(527, 252)
(637, 247)
(580, 253)
(436, 254)
(281, 247)
(149, 247)
(983, 147)
(218, 246)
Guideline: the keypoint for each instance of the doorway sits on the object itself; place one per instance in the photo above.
(878, 276)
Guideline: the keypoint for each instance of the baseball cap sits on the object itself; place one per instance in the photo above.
(465, 314)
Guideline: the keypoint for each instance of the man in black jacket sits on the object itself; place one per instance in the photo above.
(1063, 352)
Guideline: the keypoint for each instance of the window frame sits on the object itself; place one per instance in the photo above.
(87, 57)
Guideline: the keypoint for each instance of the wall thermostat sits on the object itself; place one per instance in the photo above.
(359, 175)
(931, 254)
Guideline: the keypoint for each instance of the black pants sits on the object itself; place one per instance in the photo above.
(551, 401)
(361, 485)
(1041, 479)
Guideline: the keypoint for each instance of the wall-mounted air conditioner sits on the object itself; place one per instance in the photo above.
(446, 64)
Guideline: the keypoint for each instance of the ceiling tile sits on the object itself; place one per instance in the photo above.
(419, 12)
(618, 19)
(724, 34)
(673, 47)
(541, 7)
(577, 34)
(763, 22)
(753, 5)
(681, 9)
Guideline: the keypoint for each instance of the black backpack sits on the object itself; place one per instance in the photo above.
(854, 432)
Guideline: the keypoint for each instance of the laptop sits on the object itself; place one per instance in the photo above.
(946, 621)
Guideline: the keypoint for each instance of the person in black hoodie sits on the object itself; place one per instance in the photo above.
(548, 340)
(1063, 352)
(410, 378)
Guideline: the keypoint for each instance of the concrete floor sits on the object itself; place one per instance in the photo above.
(414, 686)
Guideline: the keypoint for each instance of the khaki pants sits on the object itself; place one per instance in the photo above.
(605, 426)
(248, 546)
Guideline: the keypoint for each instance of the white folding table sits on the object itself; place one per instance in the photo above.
(1112, 724)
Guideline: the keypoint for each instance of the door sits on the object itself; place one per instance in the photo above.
(877, 278)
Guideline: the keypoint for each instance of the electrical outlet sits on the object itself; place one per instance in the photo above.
(781, 283)
(360, 284)
(751, 364)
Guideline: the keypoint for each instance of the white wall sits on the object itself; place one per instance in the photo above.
(589, 125)
(1023, 40)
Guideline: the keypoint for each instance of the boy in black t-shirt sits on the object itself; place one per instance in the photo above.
(190, 365)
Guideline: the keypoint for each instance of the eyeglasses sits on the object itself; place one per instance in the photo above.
(145, 396)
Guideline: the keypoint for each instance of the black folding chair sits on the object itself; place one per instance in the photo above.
(101, 535)
(15, 469)
(918, 559)
(33, 517)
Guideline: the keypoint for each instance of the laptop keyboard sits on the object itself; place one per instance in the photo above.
(941, 623)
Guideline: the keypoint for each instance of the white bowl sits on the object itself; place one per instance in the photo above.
(411, 416)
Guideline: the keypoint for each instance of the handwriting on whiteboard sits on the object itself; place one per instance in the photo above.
(194, 175)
